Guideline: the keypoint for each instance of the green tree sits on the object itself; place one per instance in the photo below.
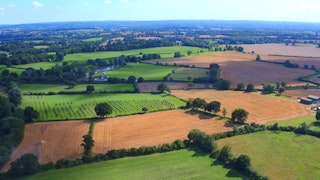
(268, 88)
(88, 143)
(258, 58)
(145, 109)
(240, 87)
(225, 154)
(30, 114)
(198, 103)
(242, 163)
(5, 107)
(189, 52)
(162, 87)
(103, 109)
(250, 88)
(70, 84)
(90, 89)
(27, 164)
(213, 106)
(4, 154)
(283, 84)
(132, 79)
(15, 96)
(177, 55)
(281, 90)
(239, 115)
(223, 84)
(224, 112)
(140, 79)
(318, 115)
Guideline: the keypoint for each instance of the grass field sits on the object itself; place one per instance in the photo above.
(309, 120)
(165, 52)
(280, 155)
(183, 74)
(45, 88)
(182, 164)
(43, 65)
(40, 47)
(62, 107)
(147, 71)
(93, 39)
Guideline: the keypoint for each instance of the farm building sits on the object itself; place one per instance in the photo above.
(306, 101)
(313, 98)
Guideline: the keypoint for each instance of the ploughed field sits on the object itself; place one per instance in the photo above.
(261, 108)
(78, 106)
(51, 141)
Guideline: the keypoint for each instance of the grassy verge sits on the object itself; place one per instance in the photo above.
(182, 164)
(280, 155)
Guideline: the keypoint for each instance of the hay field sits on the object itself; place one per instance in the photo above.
(262, 109)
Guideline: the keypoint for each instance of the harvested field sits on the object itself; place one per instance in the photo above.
(152, 86)
(262, 109)
(51, 141)
(305, 50)
(299, 93)
(241, 68)
(151, 129)
(301, 61)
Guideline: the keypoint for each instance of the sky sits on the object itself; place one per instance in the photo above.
(36, 11)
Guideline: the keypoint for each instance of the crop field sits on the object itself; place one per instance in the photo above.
(45, 88)
(51, 141)
(147, 71)
(78, 106)
(304, 50)
(299, 93)
(182, 164)
(262, 109)
(165, 52)
(93, 39)
(151, 129)
(241, 68)
(188, 74)
(152, 86)
(281, 155)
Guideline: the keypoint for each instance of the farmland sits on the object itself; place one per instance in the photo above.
(280, 155)
(188, 74)
(152, 86)
(261, 109)
(78, 106)
(165, 52)
(182, 164)
(93, 39)
(45, 88)
(297, 121)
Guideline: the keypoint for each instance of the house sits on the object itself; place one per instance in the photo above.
(306, 101)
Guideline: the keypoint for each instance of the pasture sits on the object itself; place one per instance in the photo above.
(165, 52)
(45, 88)
(262, 109)
(40, 47)
(78, 106)
(93, 39)
(310, 120)
(242, 68)
(147, 71)
(188, 74)
(303, 50)
(51, 141)
(182, 164)
(152, 86)
(279, 155)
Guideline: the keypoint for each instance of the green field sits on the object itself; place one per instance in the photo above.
(40, 47)
(279, 155)
(183, 74)
(93, 39)
(43, 65)
(78, 106)
(147, 71)
(165, 52)
(4, 52)
(45, 88)
(309, 120)
(182, 164)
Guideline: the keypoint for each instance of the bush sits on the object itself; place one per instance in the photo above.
(27, 164)
(225, 155)
(242, 163)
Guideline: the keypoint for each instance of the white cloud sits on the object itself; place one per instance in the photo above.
(11, 6)
(36, 4)
(2, 9)
(124, 1)
(87, 4)
(107, 1)
(306, 5)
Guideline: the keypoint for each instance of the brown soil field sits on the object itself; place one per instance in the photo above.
(51, 141)
(299, 93)
(305, 50)
(151, 129)
(152, 86)
(241, 68)
(301, 61)
(262, 109)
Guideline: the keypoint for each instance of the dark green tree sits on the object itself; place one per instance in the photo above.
(239, 115)
(5, 107)
(213, 106)
(30, 114)
(281, 90)
(15, 96)
(258, 58)
(283, 84)
(225, 154)
(250, 88)
(162, 87)
(87, 144)
(198, 103)
(223, 84)
(27, 164)
(90, 89)
(177, 55)
(103, 109)
(140, 79)
(240, 87)
(189, 52)
(318, 115)
(224, 112)
(132, 79)
(242, 163)
(268, 88)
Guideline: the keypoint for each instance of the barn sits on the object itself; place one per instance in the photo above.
(306, 101)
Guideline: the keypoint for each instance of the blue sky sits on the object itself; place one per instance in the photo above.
(29, 11)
